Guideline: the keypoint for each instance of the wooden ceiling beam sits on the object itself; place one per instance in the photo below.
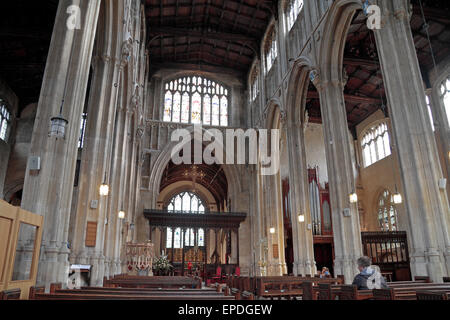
(350, 98)
(197, 67)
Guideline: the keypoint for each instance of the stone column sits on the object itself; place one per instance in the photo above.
(442, 130)
(346, 228)
(94, 160)
(426, 206)
(48, 192)
(299, 198)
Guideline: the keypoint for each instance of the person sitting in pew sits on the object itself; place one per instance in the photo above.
(369, 277)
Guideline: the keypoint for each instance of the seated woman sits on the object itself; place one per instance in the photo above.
(369, 277)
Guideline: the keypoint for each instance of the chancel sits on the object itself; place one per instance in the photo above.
(136, 138)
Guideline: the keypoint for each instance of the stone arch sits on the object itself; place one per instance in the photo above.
(336, 26)
(235, 183)
(297, 90)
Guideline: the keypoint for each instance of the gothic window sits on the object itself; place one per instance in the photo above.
(375, 144)
(5, 121)
(293, 9)
(445, 94)
(196, 100)
(387, 215)
(270, 49)
(82, 131)
(186, 202)
(254, 85)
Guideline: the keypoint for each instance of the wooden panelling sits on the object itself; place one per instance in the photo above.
(91, 234)
(5, 233)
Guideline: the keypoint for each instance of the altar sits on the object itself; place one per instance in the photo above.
(205, 241)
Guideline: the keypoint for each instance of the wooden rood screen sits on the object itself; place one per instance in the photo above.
(389, 251)
(20, 241)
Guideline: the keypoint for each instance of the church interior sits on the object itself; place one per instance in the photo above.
(353, 96)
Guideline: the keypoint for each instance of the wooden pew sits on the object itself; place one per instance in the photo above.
(105, 293)
(408, 292)
(34, 290)
(446, 279)
(13, 294)
(154, 282)
(351, 292)
(65, 296)
(432, 295)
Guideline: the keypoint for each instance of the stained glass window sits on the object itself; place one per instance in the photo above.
(376, 144)
(196, 100)
(429, 113)
(186, 202)
(254, 85)
(5, 121)
(387, 215)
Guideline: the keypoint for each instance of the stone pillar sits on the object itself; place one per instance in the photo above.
(299, 198)
(346, 228)
(95, 159)
(426, 206)
(48, 192)
(442, 130)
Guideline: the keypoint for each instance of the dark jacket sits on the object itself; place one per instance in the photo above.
(370, 278)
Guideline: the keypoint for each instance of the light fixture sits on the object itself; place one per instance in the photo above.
(104, 188)
(397, 197)
(301, 218)
(272, 230)
(58, 127)
(121, 214)
(353, 197)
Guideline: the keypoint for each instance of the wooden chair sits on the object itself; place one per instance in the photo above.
(308, 292)
(325, 291)
(383, 294)
(13, 294)
(35, 290)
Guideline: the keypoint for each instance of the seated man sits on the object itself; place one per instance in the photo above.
(369, 277)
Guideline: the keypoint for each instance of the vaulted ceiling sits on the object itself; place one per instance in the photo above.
(221, 36)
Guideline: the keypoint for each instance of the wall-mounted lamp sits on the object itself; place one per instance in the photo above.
(272, 230)
(301, 218)
(121, 214)
(104, 188)
(397, 197)
(353, 197)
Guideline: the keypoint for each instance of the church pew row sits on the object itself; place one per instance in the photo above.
(409, 293)
(288, 287)
(37, 293)
(13, 294)
(153, 282)
(329, 291)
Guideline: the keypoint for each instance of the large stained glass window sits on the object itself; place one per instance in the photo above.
(186, 202)
(196, 100)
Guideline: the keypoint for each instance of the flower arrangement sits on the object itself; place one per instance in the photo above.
(162, 264)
